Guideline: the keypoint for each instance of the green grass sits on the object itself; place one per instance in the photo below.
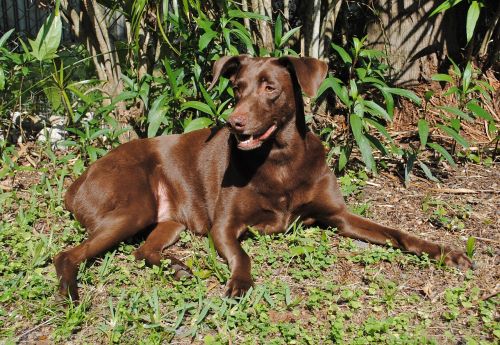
(311, 287)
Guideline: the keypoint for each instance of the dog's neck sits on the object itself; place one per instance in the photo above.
(289, 141)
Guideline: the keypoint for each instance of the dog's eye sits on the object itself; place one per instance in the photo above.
(269, 88)
(236, 89)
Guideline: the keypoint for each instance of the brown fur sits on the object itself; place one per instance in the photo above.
(207, 181)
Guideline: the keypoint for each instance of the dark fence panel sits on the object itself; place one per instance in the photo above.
(25, 16)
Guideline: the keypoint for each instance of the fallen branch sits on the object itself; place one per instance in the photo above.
(486, 239)
(463, 191)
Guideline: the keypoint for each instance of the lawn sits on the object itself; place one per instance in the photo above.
(312, 286)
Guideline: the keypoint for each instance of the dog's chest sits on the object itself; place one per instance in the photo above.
(278, 211)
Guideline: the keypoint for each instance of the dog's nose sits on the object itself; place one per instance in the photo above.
(237, 123)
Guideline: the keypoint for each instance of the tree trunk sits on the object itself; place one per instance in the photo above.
(413, 42)
(312, 28)
(326, 34)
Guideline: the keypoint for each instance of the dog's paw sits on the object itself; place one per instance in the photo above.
(458, 259)
(237, 287)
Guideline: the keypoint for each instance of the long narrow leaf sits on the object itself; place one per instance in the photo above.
(375, 109)
(479, 111)
(5, 37)
(443, 152)
(442, 77)
(404, 93)
(343, 54)
(472, 16)
(423, 131)
(156, 115)
(287, 35)
(362, 141)
(380, 128)
(198, 106)
(452, 133)
(278, 31)
(427, 172)
(199, 123)
(457, 112)
(445, 5)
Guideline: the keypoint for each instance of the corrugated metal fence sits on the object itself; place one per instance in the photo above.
(25, 16)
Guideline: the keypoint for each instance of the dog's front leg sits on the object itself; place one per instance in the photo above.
(226, 241)
(333, 212)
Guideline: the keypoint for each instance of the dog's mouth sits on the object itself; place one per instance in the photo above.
(252, 141)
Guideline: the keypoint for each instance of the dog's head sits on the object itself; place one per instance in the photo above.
(265, 93)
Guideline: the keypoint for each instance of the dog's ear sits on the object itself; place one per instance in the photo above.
(226, 66)
(310, 72)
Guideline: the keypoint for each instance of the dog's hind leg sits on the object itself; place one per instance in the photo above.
(113, 228)
(163, 235)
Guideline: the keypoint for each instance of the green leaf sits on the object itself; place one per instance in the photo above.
(377, 143)
(353, 90)
(343, 54)
(287, 36)
(48, 39)
(2, 79)
(375, 109)
(427, 172)
(208, 99)
(470, 246)
(472, 16)
(339, 90)
(452, 90)
(245, 39)
(443, 152)
(451, 132)
(362, 141)
(357, 44)
(53, 95)
(423, 131)
(442, 77)
(404, 93)
(389, 100)
(380, 128)
(156, 115)
(205, 39)
(99, 133)
(447, 4)
(199, 123)
(301, 250)
(466, 77)
(342, 159)
(5, 37)
(278, 31)
(372, 53)
(479, 111)
(457, 112)
(124, 96)
(203, 107)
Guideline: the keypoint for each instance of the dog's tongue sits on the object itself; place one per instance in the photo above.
(253, 143)
(267, 133)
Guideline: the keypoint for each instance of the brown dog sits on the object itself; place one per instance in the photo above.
(265, 169)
